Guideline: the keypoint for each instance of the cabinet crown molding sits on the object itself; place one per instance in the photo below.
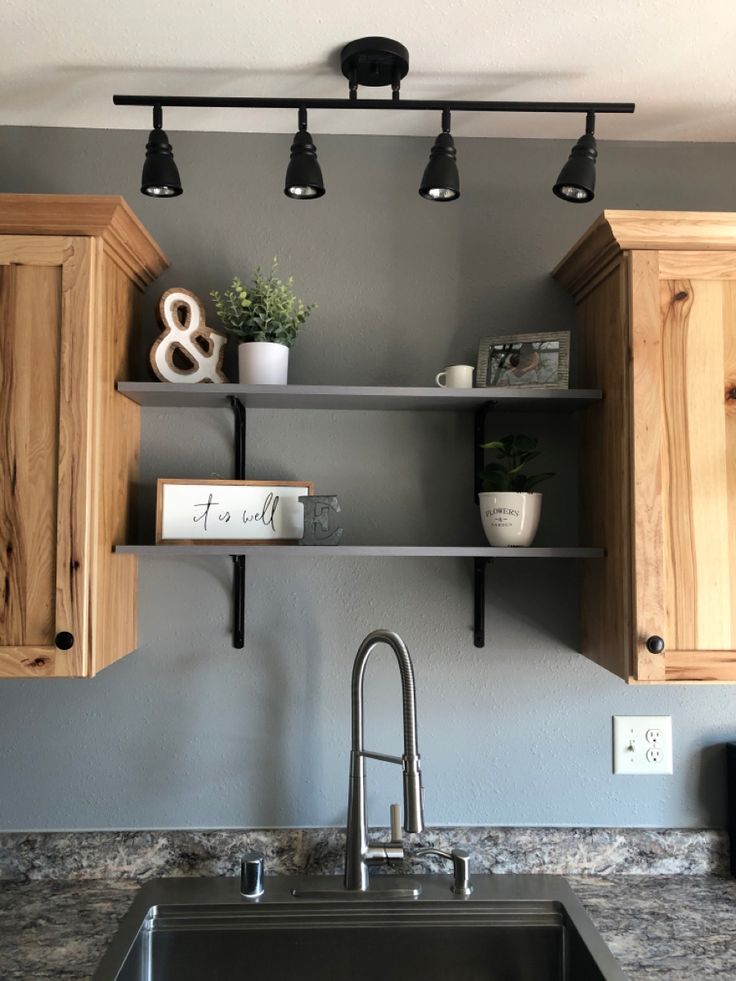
(108, 217)
(614, 232)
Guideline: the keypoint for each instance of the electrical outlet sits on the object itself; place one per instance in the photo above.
(642, 744)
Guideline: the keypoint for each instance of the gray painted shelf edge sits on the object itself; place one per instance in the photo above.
(182, 395)
(357, 551)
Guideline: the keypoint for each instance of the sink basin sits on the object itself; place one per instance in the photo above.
(513, 928)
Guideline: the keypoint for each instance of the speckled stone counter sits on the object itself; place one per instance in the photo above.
(319, 851)
(661, 928)
(660, 897)
(665, 928)
(51, 929)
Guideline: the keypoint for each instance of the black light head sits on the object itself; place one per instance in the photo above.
(441, 180)
(576, 182)
(303, 175)
(160, 177)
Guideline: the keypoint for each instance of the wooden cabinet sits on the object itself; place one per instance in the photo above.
(71, 269)
(656, 301)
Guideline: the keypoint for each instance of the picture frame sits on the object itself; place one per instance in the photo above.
(227, 512)
(534, 360)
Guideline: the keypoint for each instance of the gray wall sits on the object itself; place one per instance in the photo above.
(187, 732)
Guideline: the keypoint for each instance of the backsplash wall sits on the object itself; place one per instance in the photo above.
(189, 733)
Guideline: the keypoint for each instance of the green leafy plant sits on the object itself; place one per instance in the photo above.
(267, 310)
(506, 472)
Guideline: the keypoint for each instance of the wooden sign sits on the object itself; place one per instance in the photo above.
(184, 333)
(223, 512)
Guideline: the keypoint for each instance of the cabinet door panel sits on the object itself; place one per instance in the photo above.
(45, 291)
(30, 323)
(687, 426)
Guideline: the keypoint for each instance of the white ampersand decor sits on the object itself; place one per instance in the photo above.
(185, 333)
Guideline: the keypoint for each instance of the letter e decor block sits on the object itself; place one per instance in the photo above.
(318, 513)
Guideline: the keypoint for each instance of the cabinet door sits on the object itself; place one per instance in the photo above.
(45, 313)
(684, 461)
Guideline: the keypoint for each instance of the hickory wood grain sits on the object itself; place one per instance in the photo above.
(687, 444)
(80, 440)
(670, 354)
(27, 661)
(699, 467)
(694, 467)
(109, 218)
(74, 466)
(615, 232)
(605, 512)
(729, 397)
(30, 316)
(113, 615)
(48, 282)
(697, 265)
(648, 446)
(706, 667)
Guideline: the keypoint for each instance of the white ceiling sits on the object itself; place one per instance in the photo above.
(62, 61)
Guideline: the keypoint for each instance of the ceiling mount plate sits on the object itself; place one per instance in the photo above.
(374, 61)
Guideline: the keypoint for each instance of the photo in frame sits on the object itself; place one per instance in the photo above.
(223, 512)
(539, 360)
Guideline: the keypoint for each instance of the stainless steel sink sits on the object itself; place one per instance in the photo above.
(513, 928)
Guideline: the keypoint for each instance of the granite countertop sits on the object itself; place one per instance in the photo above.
(661, 928)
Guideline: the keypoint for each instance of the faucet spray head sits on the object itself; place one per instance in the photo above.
(413, 796)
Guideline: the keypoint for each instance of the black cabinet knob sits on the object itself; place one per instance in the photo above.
(64, 640)
(655, 644)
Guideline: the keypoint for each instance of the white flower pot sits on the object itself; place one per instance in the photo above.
(263, 363)
(510, 518)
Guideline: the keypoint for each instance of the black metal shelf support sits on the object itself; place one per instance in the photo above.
(479, 602)
(239, 560)
(479, 564)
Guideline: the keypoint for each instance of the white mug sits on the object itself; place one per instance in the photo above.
(456, 376)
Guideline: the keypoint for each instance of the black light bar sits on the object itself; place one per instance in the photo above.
(372, 62)
(415, 105)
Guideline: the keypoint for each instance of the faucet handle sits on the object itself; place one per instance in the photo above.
(396, 822)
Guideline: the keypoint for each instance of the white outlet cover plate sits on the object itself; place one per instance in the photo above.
(642, 744)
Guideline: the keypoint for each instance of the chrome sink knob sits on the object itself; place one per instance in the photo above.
(251, 876)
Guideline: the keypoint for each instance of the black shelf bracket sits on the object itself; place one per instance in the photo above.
(479, 564)
(479, 602)
(238, 602)
(239, 560)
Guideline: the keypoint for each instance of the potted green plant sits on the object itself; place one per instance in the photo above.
(265, 318)
(509, 507)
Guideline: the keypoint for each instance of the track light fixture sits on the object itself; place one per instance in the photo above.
(160, 177)
(576, 182)
(373, 61)
(441, 181)
(303, 175)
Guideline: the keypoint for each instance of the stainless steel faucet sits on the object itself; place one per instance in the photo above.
(359, 852)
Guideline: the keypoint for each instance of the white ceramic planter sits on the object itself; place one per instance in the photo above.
(510, 518)
(263, 363)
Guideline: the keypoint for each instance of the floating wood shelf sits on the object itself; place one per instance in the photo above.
(358, 551)
(176, 395)
(240, 398)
